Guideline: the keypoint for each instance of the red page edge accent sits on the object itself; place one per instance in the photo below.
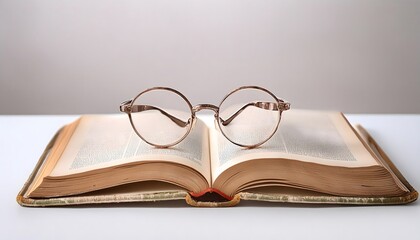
(211, 190)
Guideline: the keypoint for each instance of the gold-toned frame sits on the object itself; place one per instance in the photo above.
(129, 107)
(279, 105)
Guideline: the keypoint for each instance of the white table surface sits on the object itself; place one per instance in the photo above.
(23, 138)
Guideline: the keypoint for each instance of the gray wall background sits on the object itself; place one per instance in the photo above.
(78, 56)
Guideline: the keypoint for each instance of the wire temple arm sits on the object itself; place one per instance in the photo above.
(282, 106)
(128, 108)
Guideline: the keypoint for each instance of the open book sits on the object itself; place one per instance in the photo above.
(313, 153)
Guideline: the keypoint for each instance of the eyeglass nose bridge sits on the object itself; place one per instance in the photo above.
(205, 106)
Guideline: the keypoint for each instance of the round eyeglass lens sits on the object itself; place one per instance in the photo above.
(161, 117)
(249, 116)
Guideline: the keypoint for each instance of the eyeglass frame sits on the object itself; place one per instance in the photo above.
(128, 107)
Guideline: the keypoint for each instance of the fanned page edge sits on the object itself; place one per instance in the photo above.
(409, 197)
(83, 200)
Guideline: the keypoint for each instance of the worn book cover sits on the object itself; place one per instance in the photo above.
(150, 191)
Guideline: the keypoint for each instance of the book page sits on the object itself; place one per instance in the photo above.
(101, 141)
(311, 136)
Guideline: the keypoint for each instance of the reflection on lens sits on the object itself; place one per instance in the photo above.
(161, 117)
(249, 116)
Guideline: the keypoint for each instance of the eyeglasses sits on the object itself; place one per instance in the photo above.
(163, 117)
